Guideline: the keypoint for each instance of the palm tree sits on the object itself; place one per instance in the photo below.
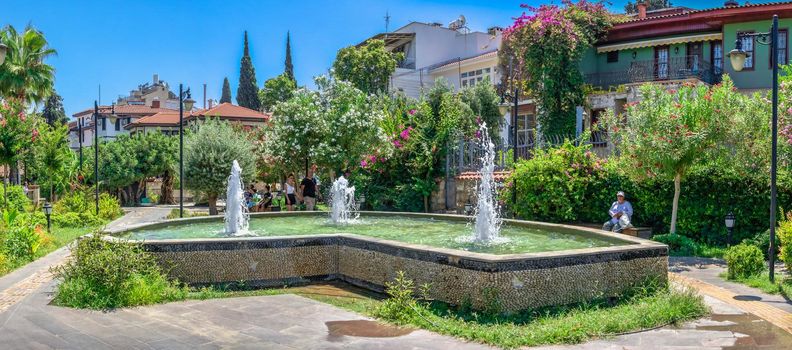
(24, 75)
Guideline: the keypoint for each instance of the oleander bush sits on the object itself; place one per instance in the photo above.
(109, 274)
(743, 260)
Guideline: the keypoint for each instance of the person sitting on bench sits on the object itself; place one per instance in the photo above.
(620, 213)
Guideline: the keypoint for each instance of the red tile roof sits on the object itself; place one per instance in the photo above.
(125, 110)
(227, 110)
(165, 118)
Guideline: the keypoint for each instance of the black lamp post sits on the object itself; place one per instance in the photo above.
(96, 155)
(737, 57)
(729, 221)
(185, 101)
(513, 97)
(48, 212)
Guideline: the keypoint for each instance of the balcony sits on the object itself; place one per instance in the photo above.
(676, 68)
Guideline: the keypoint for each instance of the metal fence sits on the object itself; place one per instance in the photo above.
(674, 68)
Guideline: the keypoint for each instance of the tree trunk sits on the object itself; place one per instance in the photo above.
(166, 190)
(14, 173)
(212, 198)
(675, 205)
(426, 204)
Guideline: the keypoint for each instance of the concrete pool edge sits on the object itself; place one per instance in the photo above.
(457, 276)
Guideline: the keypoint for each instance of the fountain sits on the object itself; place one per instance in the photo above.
(342, 209)
(487, 222)
(236, 213)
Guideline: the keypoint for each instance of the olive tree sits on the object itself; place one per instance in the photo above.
(209, 150)
(670, 131)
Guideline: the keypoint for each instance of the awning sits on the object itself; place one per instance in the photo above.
(660, 42)
(392, 40)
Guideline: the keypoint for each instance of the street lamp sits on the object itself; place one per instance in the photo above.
(503, 108)
(729, 220)
(737, 57)
(3, 50)
(185, 101)
(48, 212)
(96, 155)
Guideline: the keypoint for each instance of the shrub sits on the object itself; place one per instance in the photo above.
(784, 233)
(677, 244)
(743, 260)
(77, 201)
(15, 197)
(76, 220)
(401, 307)
(762, 240)
(109, 207)
(108, 274)
(19, 238)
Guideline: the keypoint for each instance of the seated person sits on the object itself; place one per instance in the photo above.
(620, 213)
(249, 197)
(265, 202)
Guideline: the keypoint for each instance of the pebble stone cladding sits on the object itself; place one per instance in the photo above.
(517, 282)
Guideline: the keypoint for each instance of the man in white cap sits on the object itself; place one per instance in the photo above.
(620, 213)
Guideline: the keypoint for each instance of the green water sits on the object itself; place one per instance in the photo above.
(426, 231)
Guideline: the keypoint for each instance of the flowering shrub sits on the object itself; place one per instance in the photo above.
(548, 43)
(17, 131)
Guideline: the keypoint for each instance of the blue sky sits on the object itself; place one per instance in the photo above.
(120, 44)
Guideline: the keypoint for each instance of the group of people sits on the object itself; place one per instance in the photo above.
(307, 192)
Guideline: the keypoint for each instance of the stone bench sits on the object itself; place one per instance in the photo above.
(640, 232)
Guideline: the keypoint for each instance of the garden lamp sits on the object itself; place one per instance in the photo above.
(729, 220)
(48, 212)
(188, 102)
(3, 50)
(738, 56)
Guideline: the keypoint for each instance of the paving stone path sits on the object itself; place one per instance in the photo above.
(28, 321)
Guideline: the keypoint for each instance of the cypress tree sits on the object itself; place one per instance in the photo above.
(247, 92)
(226, 97)
(53, 110)
(289, 67)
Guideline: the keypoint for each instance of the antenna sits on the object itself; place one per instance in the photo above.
(387, 20)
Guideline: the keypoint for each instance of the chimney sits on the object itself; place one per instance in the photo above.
(156, 79)
(641, 5)
(211, 103)
(731, 3)
(204, 97)
(155, 103)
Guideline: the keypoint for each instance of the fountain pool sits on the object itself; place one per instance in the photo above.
(540, 264)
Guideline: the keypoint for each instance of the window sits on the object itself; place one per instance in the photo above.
(694, 56)
(661, 63)
(472, 77)
(748, 47)
(104, 123)
(717, 57)
(783, 51)
(613, 56)
(118, 124)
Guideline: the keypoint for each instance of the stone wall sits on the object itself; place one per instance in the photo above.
(516, 282)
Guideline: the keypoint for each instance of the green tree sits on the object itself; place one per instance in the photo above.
(53, 110)
(226, 95)
(277, 89)
(55, 163)
(209, 150)
(669, 131)
(17, 134)
(288, 67)
(368, 67)
(247, 92)
(631, 7)
(483, 100)
(157, 156)
(549, 43)
(24, 74)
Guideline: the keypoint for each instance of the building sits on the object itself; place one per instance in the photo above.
(167, 121)
(455, 53)
(146, 94)
(680, 44)
(112, 121)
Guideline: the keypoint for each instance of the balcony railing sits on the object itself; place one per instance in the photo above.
(676, 68)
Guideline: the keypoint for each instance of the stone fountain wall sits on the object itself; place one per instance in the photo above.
(514, 282)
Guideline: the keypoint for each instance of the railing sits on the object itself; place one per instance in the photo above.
(466, 155)
(676, 68)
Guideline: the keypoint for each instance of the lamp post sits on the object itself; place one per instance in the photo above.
(514, 97)
(188, 104)
(737, 58)
(729, 221)
(96, 155)
(48, 212)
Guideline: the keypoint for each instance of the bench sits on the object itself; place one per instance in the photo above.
(640, 232)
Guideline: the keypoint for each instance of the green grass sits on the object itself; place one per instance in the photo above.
(174, 214)
(709, 251)
(782, 285)
(556, 325)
